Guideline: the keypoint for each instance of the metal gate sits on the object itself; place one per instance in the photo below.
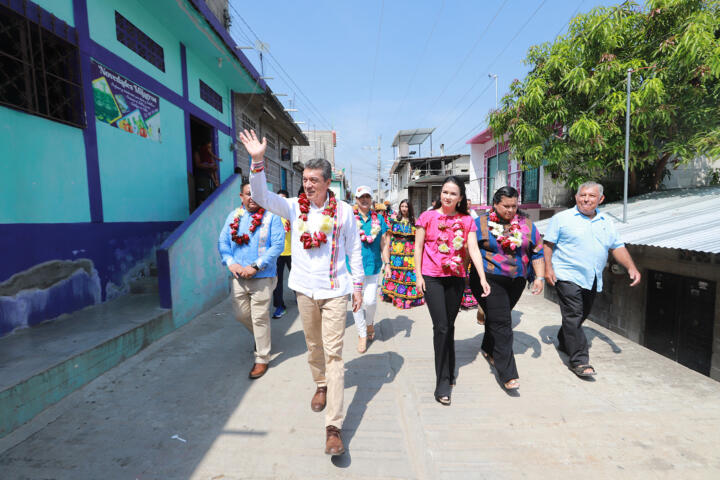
(679, 319)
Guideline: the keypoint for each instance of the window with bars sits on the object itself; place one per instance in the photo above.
(39, 71)
(531, 185)
(211, 97)
(248, 123)
(133, 38)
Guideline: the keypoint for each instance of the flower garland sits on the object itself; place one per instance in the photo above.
(374, 226)
(514, 238)
(315, 239)
(256, 221)
(451, 242)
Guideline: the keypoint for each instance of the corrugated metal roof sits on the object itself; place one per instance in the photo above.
(412, 137)
(687, 219)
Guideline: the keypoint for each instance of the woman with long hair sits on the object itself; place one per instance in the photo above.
(445, 236)
(512, 253)
(399, 282)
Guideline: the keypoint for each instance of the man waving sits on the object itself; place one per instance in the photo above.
(323, 232)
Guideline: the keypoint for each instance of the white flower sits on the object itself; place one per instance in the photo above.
(443, 248)
(239, 212)
(326, 225)
(458, 233)
(375, 230)
(458, 243)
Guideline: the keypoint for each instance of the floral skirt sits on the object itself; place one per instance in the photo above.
(399, 286)
(468, 300)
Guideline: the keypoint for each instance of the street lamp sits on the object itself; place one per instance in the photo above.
(497, 144)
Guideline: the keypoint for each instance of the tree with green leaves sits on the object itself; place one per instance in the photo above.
(569, 112)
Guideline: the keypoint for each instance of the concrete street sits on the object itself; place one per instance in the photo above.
(184, 409)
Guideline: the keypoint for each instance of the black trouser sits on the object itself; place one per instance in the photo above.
(498, 339)
(282, 260)
(575, 305)
(443, 296)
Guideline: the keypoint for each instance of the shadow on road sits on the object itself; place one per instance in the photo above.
(368, 373)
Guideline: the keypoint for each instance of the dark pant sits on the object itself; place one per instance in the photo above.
(282, 260)
(575, 305)
(498, 339)
(443, 296)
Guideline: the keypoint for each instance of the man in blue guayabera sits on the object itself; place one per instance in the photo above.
(249, 244)
(578, 240)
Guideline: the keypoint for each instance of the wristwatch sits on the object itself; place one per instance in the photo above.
(255, 266)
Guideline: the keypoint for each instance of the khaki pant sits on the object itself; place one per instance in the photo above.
(324, 326)
(251, 302)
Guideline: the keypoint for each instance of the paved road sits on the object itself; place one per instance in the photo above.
(644, 416)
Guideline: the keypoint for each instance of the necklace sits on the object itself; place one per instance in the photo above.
(451, 242)
(514, 238)
(315, 239)
(374, 226)
(256, 221)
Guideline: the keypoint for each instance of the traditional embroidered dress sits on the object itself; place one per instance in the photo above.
(399, 288)
(468, 300)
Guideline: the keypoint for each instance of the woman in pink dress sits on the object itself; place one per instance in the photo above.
(445, 236)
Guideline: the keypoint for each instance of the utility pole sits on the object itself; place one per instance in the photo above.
(627, 147)
(379, 194)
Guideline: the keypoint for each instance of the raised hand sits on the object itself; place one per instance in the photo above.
(254, 147)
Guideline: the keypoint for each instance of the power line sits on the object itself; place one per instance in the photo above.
(499, 55)
(377, 51)
(468, 108)
(570, 19)
(417, 65)
(282, 77)
(467, 56)
(272, 57)
(567, 24)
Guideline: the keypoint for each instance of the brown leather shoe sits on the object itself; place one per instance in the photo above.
(258, 370)
(317, 404)
(333, 442)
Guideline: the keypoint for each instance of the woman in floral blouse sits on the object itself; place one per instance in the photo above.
(509, 242)
(445, 236)
(399, 283)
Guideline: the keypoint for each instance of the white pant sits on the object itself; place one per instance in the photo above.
(366, 314)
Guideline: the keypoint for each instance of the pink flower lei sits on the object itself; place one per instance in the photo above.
(451, 242)
(514, 238)
(374, 226)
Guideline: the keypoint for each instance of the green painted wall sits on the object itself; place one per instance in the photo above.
(226, 166)
(143, 180)
(44, 175)
(198, 279)
(197, 71)
(62, 9)
(102, 30)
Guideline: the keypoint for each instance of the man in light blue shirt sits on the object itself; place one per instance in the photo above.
(249, 244)
(578, 240)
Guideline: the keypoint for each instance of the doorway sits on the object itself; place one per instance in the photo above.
(679, 319)
(202, 178)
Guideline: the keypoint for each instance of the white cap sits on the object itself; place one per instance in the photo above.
(362, 190)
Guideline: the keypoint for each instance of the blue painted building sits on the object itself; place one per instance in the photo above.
(102, 104)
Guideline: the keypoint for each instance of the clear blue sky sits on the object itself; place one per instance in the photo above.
(374, 67)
